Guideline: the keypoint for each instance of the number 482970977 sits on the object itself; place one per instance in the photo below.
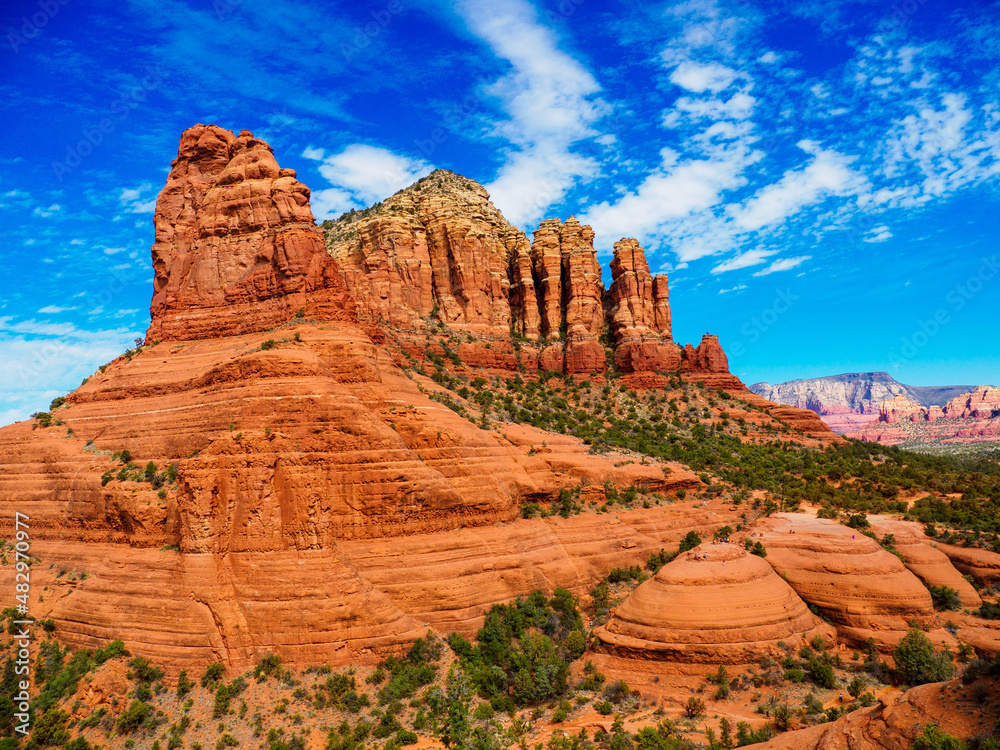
(23, 576)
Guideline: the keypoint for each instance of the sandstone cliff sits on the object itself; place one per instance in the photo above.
(439, 252)
(969, 419)
(850, 400)
(237, 249)
(292, 453)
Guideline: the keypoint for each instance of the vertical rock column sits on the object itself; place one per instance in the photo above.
(639, 313)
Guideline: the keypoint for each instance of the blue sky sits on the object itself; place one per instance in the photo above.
(818, 178)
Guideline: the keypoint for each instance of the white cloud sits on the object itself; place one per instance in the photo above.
(113, 250)
(674, 202)
(826, 175)
(878, 234)
(362, 175)
(699, 77)
(737, 288)
(45, 213)
(550, 102)
(54, 310)
(39, 361)
(137, 200)
(784, 264)
(768, 58)
(315, 154)
(744, 260)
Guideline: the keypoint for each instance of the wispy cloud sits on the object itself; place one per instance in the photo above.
(784, 264)
(45, 213)
(361, 175)
(551, 104)
(35, 356)
(54, 310)
(744, 260)
(828, 174)
(140, 200)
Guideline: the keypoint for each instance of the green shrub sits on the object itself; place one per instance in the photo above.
(916, 661)
(690, 541)
(134, 716)
(213, 673)
(856, 686)
(989, 611)
(694, 707)
(945, 598)
(483, 712)
(934, 738)
(113, 650)
(822, 674)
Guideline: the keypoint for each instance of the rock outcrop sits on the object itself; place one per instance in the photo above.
(849, 401)
(968, 419)
(953, 707)
(640, 313)
(716, 603)
(237, 249)
(440, 251)
(982, 403)
(859, 587)
(288, 446)
(897, 409)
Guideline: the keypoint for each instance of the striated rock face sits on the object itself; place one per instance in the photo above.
(571, 294)
(292, 451)
(440, 250)
(848, 401)
(982, 403)
(862, 589)
(716, 603)
(237, 249)
(895, 725)
(897, 409)
(970, 418)
(640, 313)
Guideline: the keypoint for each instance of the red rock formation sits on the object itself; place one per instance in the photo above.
(236, 248)
(859, 587)
(983, 403)
(640, 313)
(570, 296)
(973, 417)
(897, 409)
(716, 603)
(440, 249)
(285, 456)
(895, 724)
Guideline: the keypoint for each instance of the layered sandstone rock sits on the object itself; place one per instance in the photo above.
(982, 403)
(849, 401)
(716, 603)
(898, 408)
(864, 590)
(439, 251)
(970, 418)
(237, 249)
(925, 557)
(285, 446)
(571, 295)
(640, 313)
(895, 724)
